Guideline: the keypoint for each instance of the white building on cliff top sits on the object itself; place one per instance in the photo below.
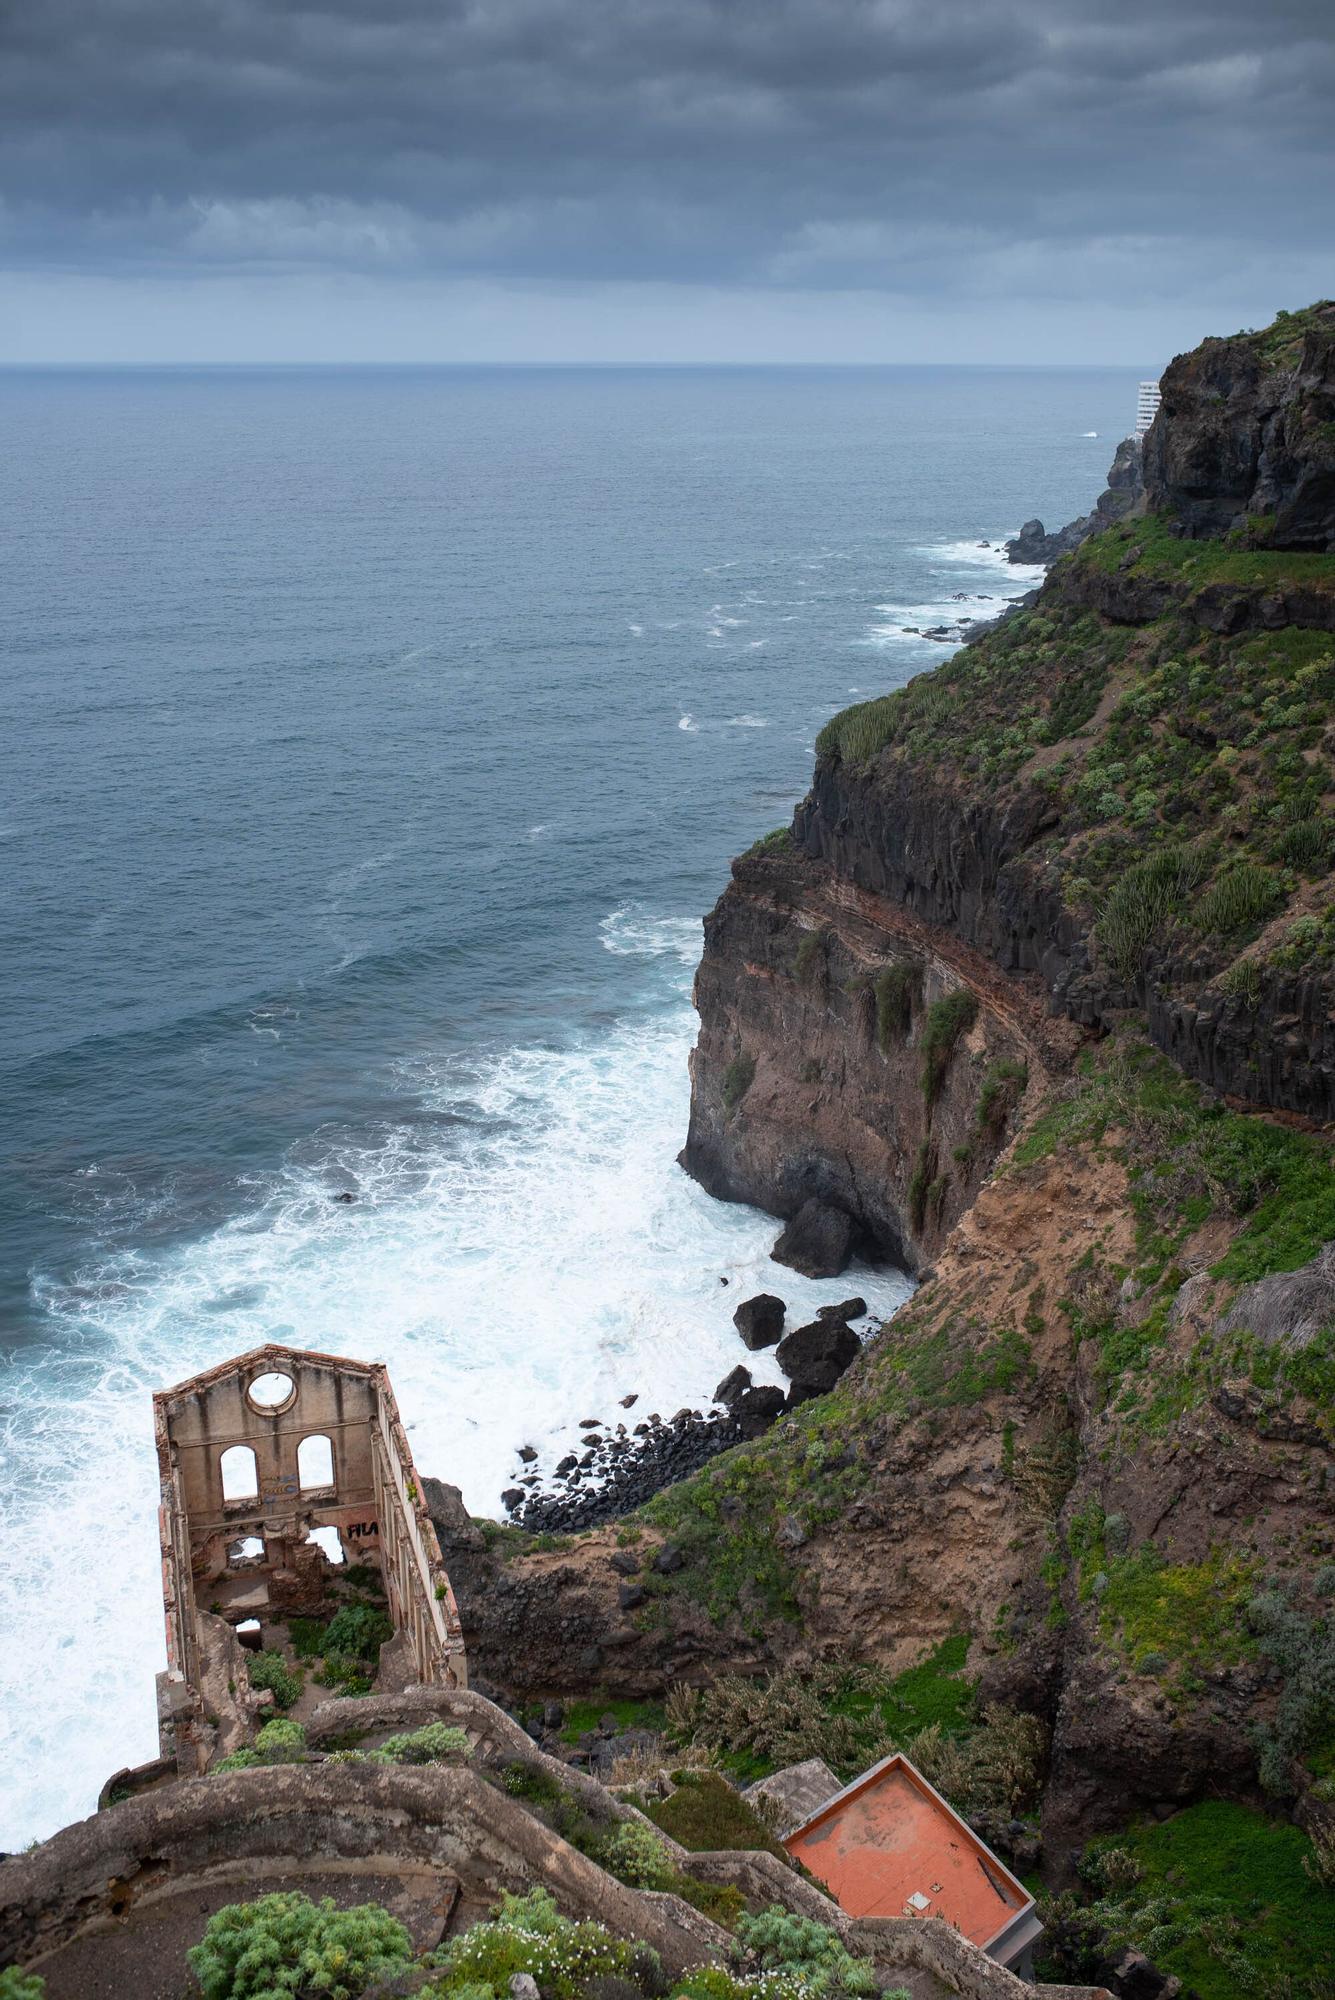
(1147, 404)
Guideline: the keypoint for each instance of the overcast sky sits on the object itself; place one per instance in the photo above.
(844, 180)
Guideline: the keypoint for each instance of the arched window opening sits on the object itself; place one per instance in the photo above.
(240, 1480)
(315, 1462)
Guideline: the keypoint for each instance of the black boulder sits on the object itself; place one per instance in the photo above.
(756, 1410)
(814, 1357)
(818, 1241)
(733, 1386)
(760, 1320)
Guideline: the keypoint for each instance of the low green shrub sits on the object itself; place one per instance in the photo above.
(1192, 1614)
(270, 1670)
(359, 1630)
(528, 1934)
(282, 1738)
(777, 1941)
(346, 1674)
(16, 1985)
(1244, 980)
(531, 1782)
(1142, 902)
(239, 1760)
(1003, 1087)
(778, 841)
(721, 1902)
(308, 1637)
(706, 1815)
(363, 1576)
(847, 1715)
(1305, 845)
(920, 1186)
(285, 1945)
(997, 1767)
(855, 735)
(810, 953)
(1246, 896)
(425, 1746)
(635, 1855)
(1219, 1895)
(584, 1716)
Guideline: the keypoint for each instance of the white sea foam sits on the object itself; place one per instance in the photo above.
(747, 722)
(532, 1261)
(634, 932)
(689, 724)
(985, 554)
(963, 600)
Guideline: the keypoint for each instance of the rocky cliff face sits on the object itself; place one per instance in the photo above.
(1245, 436)
(853, 1053)
(1039, 990)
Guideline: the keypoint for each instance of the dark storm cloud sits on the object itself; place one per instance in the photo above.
(796, 143)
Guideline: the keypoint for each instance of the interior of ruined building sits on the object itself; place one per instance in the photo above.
(288, 1493)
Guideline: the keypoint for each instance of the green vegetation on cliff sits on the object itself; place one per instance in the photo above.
(1221, 1896)
(1145, 547)
(847, 1715)
(1157, 735)
(1189, 1162)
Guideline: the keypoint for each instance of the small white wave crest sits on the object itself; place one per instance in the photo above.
(635, 932)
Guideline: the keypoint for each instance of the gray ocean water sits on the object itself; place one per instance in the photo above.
(371, 744)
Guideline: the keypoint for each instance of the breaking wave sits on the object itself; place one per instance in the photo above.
(523, 1251)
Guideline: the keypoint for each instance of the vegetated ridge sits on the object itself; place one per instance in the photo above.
(1037, 989)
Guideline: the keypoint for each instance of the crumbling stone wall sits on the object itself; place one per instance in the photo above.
(253, 1457)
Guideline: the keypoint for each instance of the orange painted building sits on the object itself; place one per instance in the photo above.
(888, 1845)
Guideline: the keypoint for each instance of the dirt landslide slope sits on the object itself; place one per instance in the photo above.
(1038, 988)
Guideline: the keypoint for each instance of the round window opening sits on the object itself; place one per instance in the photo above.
(271, 1392)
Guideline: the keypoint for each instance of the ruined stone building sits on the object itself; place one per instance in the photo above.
(282, 1474)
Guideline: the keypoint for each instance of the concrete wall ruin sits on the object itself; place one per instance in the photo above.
(259, 1459)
